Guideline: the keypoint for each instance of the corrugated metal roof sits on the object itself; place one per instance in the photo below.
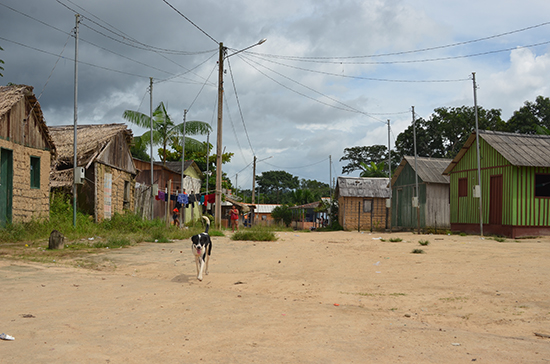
(265, 208)
(362, 187)
(522, 150)
(429, 169)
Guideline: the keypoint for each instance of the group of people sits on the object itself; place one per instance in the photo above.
(233, 216)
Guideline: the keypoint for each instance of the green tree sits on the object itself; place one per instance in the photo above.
(320, 189)
(277, 182)
(139, 150)
(165, 130)
(529, 116)
(374, 170)
(302, 197)
(360, 157)
(282, 213)
(446, 131)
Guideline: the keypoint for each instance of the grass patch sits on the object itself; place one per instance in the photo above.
(29, 241)
(499, 239)
(418, 251)
(395, 240)
(424, 242)
(256, 233)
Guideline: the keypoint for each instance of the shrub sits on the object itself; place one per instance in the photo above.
(424, 242)
(418, 251)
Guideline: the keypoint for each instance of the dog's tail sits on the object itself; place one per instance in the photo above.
(207, 224)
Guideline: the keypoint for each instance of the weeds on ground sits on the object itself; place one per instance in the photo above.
(256, 233)
(424, 242)
(418, 251)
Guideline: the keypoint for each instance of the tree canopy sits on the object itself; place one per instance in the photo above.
(446, 130)
(360, 158)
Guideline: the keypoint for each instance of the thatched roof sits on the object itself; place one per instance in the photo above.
(10, 95)
(91, 139)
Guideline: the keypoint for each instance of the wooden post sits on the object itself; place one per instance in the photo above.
(359, 217)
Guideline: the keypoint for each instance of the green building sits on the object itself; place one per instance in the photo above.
(433, 194)
(515, 185)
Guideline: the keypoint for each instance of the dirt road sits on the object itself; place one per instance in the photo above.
(338, 297)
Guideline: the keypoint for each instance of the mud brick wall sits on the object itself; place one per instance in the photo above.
(118, 179)
(29, 203)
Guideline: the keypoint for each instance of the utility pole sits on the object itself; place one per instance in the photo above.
(218, 208)
(389, 174)
(478, 157)
(207, 159)
(330, 175)
(75, 160)
(254, 181)
(182, 209)
(151, 146)
(416, 176)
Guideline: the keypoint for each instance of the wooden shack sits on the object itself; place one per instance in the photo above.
(433, 194)
(162, 174)
(515, 185)
(104, 152)
(26, 153)
(362, 203)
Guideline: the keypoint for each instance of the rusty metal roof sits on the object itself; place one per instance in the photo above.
(362, 187)
(522, 150)
(429, 169)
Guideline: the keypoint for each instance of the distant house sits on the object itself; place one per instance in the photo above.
(515, 185)
(362, 203)
(433, 194)
(162, 174)
(262, 214)
(104, 152)
(306, 217)
(26, 153)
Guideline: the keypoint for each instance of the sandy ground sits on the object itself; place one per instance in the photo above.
(337, 297)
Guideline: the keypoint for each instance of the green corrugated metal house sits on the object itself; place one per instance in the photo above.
(433, 194)
(515, 185)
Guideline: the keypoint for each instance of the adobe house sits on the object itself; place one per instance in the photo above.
(104, 153)
(192, 183)
(515, 185)
(362, 203)
(433, 194)
(26, 153)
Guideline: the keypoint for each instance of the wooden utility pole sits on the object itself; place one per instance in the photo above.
(416, 176)
(75, 159)
(254, 181)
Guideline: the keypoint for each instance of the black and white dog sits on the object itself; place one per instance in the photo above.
(202, 247)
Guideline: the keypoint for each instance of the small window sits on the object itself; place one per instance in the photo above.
(462, 187)
(35, 172)
(367, 205)
(542, 185)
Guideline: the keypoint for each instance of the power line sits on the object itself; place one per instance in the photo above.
(345, 108)
(189, 20)
(239, 106)
(309, 59)
(361, 77)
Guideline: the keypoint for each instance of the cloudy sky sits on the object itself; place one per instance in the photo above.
(329, 76)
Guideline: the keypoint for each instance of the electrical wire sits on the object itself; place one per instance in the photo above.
(239, 106)
(204, 84)
(362, 77)
(189, 20)
(296, 58)
(345, 108)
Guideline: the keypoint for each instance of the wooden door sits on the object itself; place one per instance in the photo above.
(6, 186)
(495, 201)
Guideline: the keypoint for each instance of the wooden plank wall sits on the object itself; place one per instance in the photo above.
(27, 133)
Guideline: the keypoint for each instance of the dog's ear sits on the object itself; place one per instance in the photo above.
(195, 239)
